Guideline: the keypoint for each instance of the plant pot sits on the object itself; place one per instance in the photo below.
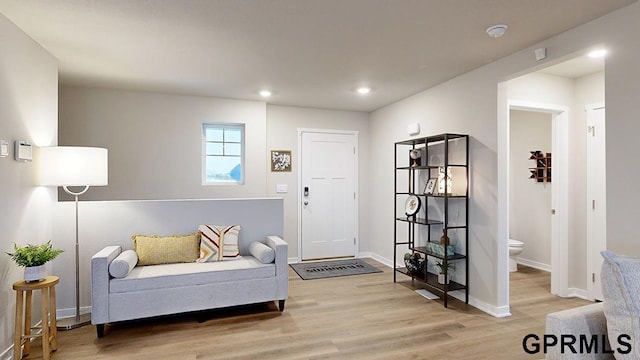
(441, 279)
(34, 273)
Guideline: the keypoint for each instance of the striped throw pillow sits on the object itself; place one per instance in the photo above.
(218, 242)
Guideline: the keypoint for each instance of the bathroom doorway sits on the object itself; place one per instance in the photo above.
(530, 176)
(561, 91)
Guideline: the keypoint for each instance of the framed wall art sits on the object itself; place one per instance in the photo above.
(280, 160)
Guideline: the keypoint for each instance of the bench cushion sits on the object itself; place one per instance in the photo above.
(187, 274)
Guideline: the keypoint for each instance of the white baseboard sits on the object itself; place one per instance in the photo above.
(293, 260)
(579, 293)
(498, 312)
(534, 264)
(376, 257)
(7, 354)
(66, 313)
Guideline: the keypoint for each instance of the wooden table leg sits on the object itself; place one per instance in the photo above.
(27, 323)
(53, 319)
(44, 304)
(17, 337)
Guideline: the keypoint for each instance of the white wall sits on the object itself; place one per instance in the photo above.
(468, 103)
(28, 111)
(529, 200)
(155, 141)
(282, 125)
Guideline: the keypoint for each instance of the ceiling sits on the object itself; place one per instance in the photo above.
(311, 53)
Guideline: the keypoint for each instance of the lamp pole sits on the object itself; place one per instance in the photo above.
(84, 319)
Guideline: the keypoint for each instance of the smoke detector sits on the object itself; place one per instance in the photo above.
(496, 31)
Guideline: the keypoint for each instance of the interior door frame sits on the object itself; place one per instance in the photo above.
(559, 189)
(354, 133)
(591, 241)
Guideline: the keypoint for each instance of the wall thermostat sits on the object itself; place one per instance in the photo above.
(4, 148)
(23, 151)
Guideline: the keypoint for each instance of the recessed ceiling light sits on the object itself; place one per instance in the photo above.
(496, 31)
(363, 90)
(265, 93)
(597, 53)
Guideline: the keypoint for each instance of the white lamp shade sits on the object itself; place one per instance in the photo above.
(73, 166)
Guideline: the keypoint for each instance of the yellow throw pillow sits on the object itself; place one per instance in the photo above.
(153, 250)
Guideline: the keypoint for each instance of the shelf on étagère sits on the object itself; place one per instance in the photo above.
(432, 280)
(421, 221)
(423, 250)
(428, 167)
(450, 196)
(432, 139)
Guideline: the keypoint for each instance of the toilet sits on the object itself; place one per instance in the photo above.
(515, 248)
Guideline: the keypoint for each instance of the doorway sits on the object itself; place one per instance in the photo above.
(530, 177)
(596, 197)
(575, 82)
(328, 211)
(559, 209)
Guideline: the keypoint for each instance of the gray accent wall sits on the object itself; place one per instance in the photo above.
(155, 141)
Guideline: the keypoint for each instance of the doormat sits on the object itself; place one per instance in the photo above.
(333, 268)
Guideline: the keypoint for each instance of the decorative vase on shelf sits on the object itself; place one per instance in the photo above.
(415, 264)
(444, 239)
(415, 155)
(445, 183)
(441, 279)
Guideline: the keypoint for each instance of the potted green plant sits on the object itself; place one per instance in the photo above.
(445, 268)
(33, 258)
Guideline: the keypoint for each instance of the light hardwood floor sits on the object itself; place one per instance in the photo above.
(354, 317)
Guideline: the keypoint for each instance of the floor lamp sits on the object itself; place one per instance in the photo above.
(74, 166)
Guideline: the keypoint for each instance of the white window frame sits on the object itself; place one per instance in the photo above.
(220, 125)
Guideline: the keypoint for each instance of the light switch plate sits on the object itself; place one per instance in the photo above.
(4, 148)
(281, 188)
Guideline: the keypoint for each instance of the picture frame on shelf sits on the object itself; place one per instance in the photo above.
(430, 187)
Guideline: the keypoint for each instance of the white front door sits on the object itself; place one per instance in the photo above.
(596, 197)
(328, 215)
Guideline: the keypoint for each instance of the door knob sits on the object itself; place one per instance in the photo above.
(306, 203)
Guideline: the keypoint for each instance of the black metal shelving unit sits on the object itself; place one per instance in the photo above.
(434, 215)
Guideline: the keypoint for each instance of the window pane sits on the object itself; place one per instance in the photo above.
(223, 149)
(215, 149)
(213, 134)
(232, 135)
(232, 149)
(223, 168)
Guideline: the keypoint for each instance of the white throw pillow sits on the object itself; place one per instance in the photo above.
(219, 242)
(621, 289)
(262, 252)
(122, 265)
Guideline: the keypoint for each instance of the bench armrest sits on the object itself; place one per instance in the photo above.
(100, 283)
(282, 266)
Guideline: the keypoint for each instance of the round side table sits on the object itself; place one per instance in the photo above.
(23, 327)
